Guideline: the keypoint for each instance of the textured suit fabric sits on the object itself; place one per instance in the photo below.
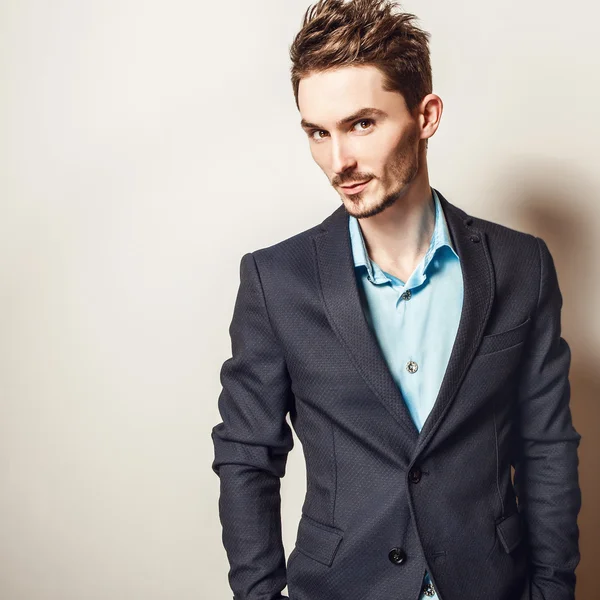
(301, 346)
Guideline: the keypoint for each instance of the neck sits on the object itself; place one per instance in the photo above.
(397, 238)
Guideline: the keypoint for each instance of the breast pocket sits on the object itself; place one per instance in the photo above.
(496, 342)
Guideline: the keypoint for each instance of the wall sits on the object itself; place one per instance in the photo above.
(145, 147)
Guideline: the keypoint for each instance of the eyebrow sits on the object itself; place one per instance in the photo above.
(359, 114)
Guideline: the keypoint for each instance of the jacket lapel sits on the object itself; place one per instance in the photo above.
(344, 309)
(342, 301)
(477, 269)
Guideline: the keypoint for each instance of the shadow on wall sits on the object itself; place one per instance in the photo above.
(554, 206)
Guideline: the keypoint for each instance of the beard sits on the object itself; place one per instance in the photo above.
(404, 168)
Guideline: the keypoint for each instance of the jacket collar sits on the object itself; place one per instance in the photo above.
(342, 301)
(439, 239)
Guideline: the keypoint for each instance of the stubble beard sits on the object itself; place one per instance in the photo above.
(403, 170)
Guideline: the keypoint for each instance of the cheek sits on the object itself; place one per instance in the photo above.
(401, 142)
(382, 149)
(386, 161)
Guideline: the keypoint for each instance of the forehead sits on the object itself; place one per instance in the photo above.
(326, 96)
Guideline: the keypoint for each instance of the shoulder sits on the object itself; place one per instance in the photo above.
(519, 259)
(507, 246)
(504, 239)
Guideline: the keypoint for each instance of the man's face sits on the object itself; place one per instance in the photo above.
(352, 144)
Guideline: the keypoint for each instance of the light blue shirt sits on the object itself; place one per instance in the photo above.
(415, 321)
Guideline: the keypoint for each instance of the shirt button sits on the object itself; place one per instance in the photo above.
(412, 366)
(406, 295)
(397, 556)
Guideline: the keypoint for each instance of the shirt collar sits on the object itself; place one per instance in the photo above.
(439, 239)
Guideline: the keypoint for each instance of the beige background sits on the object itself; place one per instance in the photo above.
(145, 147)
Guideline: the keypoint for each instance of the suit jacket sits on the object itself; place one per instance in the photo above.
(384, 502)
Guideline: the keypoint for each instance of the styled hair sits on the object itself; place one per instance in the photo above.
(335, 34)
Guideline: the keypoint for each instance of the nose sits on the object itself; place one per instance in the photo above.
(342, 158)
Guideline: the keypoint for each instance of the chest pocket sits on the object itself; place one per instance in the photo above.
(503, 340)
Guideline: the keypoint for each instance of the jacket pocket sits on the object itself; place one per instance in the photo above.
(319, 542)
(505, 339)
(510, 532)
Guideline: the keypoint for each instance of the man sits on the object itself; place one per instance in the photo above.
(417, 350)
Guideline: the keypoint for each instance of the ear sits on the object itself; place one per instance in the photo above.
(430, 114)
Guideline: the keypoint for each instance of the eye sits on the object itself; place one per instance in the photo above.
(368, 121)
(312, 134)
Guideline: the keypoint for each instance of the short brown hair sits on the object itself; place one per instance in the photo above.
(335, 33)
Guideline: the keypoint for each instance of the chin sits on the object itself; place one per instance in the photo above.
(366, 206)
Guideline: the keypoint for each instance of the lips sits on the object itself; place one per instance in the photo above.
(353, 185)
(356, 188)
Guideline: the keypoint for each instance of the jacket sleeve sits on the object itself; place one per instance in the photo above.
(546, 471)
(251, 445)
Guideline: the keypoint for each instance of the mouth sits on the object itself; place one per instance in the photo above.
(355, 187)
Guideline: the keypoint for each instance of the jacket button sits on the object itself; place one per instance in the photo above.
(397, 556)
(415, 474)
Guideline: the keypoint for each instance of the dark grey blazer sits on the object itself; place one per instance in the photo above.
(383, 502)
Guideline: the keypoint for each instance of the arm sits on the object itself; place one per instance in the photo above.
(251, 446)
(546, 472)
